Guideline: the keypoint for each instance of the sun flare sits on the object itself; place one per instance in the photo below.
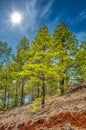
(16, 18)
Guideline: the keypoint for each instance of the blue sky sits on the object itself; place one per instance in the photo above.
(38, 12)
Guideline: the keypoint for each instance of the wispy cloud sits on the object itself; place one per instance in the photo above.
(53, 24)
(33, 16)
(81, 36)
(30, 14)
(82, 13)
(46, 8)
(81, 16)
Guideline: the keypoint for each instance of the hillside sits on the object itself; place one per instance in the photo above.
(60, 112)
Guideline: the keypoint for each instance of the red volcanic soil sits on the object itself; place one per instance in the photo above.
(76, 120)
(66, 112)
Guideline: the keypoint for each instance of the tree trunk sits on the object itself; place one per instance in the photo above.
(43, 92)
(22, 93)
(62, 81)
(38, 91)
(5, 91)
(62, 86)
(16, 94)
(8, 103)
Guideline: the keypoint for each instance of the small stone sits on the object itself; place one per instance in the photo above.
(54, 128)
(67, 127)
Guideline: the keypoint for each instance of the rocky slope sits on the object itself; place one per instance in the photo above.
(66, 112)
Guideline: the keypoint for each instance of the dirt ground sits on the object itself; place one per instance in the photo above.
(66, 112)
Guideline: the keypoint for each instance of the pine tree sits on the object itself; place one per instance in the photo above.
(19, 60)
(5, 52)
(80, 63)
(39, 65)
(64, 48)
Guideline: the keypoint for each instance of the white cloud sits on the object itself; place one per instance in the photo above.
(54, 23)
(79, 18)
(30, 16)
(82, 13)
(33, 16)
(46, 8)
(81, 36)
(82, 16)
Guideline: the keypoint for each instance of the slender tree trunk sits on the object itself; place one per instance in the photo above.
(8, 103)
(62, 81)
(22, 93)
(43, 91)
(62, 86)
(38, 91)
(16, 94)
(5, 91)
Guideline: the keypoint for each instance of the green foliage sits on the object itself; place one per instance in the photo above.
(42, 68)
(1, 112)
(37, 101)
(65, 48)
(80, 63)
(36, 106)
(4, 50)
(34, 110)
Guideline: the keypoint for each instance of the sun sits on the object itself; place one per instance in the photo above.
(16, 18)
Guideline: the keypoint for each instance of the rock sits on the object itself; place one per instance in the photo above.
(74, 87)
(76, 108)
(83, 84)
(67, 127)
(21, 125)
(54, 128)
(44, 128)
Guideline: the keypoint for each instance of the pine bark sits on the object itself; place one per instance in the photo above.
(5, 92)
(22, 93)
(43, 91)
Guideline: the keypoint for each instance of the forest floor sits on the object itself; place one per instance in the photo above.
(67, 112)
